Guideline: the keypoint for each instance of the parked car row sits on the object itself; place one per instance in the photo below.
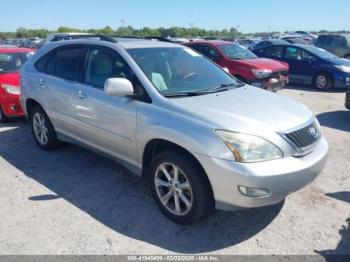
(244, 65)
(32, 43)
(310, 65)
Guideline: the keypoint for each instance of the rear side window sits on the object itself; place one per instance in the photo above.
(340, 42)
(63, 62)
(210, 52)
(198, 48)
(329, 40)
(274, 51)
(321, 40)
(68, 61)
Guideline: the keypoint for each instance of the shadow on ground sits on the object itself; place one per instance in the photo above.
(343, 247)
(337, 120)
(121, 201)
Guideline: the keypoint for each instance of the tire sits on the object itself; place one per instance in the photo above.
(192, 187)
(44, 134)
(323, 81)
(3, 118)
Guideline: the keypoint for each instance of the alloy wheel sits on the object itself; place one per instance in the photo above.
(173, 189)
(40, 129)
(321, 82)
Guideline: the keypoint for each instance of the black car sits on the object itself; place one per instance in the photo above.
(336, 44)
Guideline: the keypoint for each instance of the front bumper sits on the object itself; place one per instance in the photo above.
(342, 80)
(273, 84)
(11, 105)
(281, 177)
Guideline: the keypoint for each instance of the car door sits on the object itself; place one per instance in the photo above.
(301, 64)
(58, 86)
(107, 123)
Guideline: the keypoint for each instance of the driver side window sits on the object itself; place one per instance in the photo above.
(298, 54)
(104, 63)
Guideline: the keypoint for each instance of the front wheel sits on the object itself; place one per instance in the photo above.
(323, 81)
(180, 188)
(43, 131)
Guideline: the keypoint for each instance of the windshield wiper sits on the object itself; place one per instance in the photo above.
(181, 94)
(224, 87)
(221, 88)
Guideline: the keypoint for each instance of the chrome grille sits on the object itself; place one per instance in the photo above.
(304, 139)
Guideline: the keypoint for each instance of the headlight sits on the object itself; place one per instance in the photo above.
(13, 90)
(343, 68)
(249, 148)
(261, 73)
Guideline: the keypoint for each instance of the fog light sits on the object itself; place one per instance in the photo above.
(14, 108)
(253, 192)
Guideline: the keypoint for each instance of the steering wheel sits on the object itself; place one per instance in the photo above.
(190, 75)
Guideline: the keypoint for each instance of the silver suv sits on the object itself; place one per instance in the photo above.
(203, 139)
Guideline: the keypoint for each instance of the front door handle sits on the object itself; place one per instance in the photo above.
(42, 83)
(81, 94)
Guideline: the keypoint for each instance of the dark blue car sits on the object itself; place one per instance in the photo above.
(269, 42)
(310, 65)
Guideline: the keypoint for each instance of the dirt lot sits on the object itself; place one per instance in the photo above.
(72, 201)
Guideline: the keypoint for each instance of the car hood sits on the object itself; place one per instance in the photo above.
(10, 79)
(265, 63)
(246, 109)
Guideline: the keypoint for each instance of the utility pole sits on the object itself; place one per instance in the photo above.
(123, 24)
(189, 33)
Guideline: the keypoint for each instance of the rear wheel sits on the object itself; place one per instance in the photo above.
(3, 118)
(180, 188)
(43, 131)
(323, 81)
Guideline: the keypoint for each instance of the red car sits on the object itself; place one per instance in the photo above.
(11, 60)
(244, 65)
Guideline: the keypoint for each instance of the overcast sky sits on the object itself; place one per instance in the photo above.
(249, 15)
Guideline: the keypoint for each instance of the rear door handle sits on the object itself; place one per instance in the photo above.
(81, 95)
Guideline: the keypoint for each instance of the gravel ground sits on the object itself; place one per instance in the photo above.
(72, 201)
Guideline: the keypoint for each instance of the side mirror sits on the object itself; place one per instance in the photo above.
(118, 87)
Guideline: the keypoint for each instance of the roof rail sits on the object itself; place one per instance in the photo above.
(106, 38)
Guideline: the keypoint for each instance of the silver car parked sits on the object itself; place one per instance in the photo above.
(203, 139)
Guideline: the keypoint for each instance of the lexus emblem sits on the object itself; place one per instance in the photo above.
(313, 132)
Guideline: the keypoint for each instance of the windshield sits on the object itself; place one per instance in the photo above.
(12, 62)
(177, 70)
(320, 52)
(236, 52)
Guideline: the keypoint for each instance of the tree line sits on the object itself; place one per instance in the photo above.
(174, 31)
(128, 30)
